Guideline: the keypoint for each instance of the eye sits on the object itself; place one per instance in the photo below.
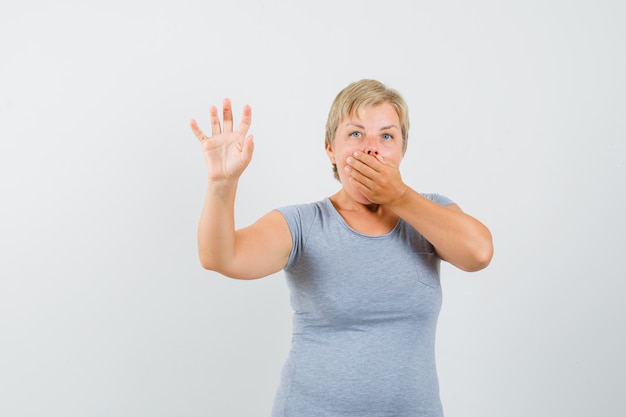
(387, 136)
(355, 134)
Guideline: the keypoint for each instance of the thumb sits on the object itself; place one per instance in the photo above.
(248, 148)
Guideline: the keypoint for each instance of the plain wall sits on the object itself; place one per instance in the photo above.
(518, 114)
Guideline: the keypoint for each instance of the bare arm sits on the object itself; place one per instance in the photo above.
(457, 237)
(252, 252)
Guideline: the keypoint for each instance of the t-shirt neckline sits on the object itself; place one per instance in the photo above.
(335, 213)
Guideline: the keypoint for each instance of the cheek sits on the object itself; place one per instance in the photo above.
(342, 154)
(341, 165)
(392, 155)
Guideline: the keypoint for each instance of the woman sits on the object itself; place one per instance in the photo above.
(362, 265)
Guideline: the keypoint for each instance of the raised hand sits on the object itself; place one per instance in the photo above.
(227, 152)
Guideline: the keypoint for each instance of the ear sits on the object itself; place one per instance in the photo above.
(331, 154)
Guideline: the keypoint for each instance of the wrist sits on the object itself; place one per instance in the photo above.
(222, 186)
(403, 197)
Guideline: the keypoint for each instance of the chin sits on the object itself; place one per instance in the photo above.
(353, 192)
(358, 196)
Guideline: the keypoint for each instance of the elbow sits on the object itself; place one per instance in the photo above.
(210, 259)
(482, 259)
(207, 262)
(206, 265)
(482, 253)
(476, 263)
(470, 253)
(214, 264)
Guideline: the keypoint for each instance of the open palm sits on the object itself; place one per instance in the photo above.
(227, 152)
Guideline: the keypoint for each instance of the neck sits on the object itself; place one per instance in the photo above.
(370, 219)
(342, 201)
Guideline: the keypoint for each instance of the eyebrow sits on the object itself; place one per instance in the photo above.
(355, 125)
(363, 127)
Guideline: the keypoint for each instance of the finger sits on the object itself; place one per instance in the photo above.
(360, 166)
(216, 129)
(358, 177)
(368, 160)
(197, 131)
(378, 162)
(246, 120)
(248, 148)
(228, 115)
(363, 188)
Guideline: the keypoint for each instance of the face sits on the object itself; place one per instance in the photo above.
(375, 131)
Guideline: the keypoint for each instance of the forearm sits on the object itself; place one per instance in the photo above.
(216, 228)
(457, 237)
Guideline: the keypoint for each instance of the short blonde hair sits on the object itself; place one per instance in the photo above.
(359, 95)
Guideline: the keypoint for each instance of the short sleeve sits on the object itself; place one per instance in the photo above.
(438, 198)
(299, 218)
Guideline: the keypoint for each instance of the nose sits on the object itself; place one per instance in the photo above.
(370, 148)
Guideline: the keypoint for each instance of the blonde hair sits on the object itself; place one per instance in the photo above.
(359, 95)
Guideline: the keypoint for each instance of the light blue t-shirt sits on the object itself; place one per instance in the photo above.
(365, 317)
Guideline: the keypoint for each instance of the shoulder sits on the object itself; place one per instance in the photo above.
(301, 220)
(305, 219)
(303, 212)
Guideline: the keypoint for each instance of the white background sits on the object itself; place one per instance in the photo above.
(518, 114)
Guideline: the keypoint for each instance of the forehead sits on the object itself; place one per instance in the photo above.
(377, 113)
